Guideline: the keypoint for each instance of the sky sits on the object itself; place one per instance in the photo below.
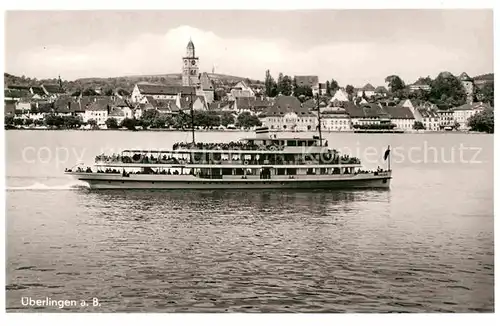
(351, 46)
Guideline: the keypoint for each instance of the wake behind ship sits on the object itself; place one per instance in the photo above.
(261, 162)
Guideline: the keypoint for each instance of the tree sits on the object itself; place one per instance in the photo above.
(108, 92)
(334, 85)
(92, 123)
(206, 119)
(129, 123)
(270, 85)
(418, 125)
(303, 93)
(148, 117)
(28, 122)
(247, 120)
(483, 121)
(111, 123)
(395, 83)
(285, 85)
(8, 120)
(486, 93)
(226, 119)
(89, 92)
(350, 91)
(328, 90)
(159, 122)
(447, 90)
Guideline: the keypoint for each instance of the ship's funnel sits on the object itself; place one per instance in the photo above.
(262, 132)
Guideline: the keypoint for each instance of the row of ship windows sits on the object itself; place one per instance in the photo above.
(219, 183)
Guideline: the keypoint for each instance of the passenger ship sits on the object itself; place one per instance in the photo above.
(263, 161)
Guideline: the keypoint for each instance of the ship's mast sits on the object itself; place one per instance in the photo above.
(319, 121)
(191, 107)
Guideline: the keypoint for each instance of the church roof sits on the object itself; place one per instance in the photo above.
(206, 83)
(154, 89)
(53, 88)
(190, 44)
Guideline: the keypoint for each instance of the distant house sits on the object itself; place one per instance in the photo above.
(428, 117)
(401, 116)
(287, 114)
(420, 84)
(446, 119)
(366, 114)
(253, 105)
(340, 96)
(241, 89)
(381, 91)
(98, 110)
(163, 106)
(23, 104)
(164, 92)
(117, 114)
(322, 89)
(462, 113)
(38, 92)
(207, 87)
(308, 81)
(335, 119)
(124, 106)
(368, 90)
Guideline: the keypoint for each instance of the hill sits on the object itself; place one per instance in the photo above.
(173, 79)
(486, 77)
(124, 82)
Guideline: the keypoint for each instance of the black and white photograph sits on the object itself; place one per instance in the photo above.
(319, 161)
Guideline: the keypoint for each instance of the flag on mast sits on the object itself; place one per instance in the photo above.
(387, 153)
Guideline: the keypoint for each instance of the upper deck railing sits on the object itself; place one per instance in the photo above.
(142, 159)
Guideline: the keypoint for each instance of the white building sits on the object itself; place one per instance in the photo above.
(462, 113)
(160, 92)
(287, 114)
(335, 119)
(291, 121)
(446, 119)
(368, 90)
(401, 116)
(429, 118)
(241, 89)
(96, 111)
(340, 96)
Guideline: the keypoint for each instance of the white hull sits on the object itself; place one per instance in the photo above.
(152, 181)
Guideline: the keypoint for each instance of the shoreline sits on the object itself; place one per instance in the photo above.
(271, 131)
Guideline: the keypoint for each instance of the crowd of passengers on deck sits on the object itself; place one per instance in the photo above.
(327, 158)
(138, 158)
(221, 146)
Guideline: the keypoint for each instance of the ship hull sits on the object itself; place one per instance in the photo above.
(110, 181)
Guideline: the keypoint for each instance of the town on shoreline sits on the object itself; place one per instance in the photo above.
(209, 102)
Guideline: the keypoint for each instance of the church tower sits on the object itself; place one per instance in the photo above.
(190, 70)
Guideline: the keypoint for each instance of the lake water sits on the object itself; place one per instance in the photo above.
(425, 245)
